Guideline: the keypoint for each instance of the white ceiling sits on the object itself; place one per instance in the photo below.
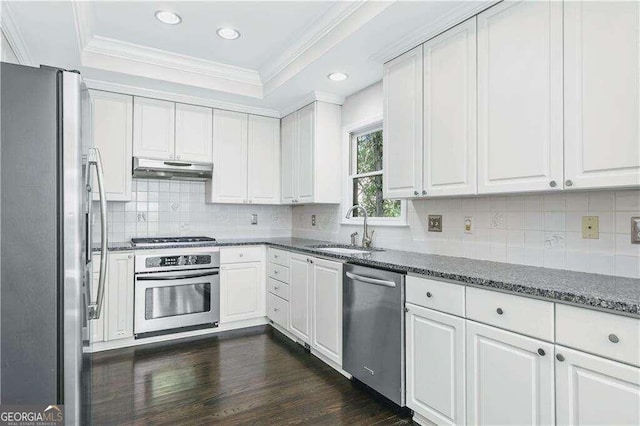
(282, 58)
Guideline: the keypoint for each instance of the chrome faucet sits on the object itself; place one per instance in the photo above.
(366, 238)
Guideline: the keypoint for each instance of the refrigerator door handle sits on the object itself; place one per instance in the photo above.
(95, 160)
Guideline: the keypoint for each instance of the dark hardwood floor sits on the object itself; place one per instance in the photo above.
(258, 377)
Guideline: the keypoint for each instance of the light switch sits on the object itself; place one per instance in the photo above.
(590, 227)
(468, 224)
(435, 223)
(635, 230)
(313, 220)
(254, 219)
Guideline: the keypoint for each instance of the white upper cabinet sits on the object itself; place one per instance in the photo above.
(193, 133)
(520, 132)
(402, 162)
(602, 94)
(310, 154)
(595, 391)
(154, 128)
(230, 141)
(112, 133)
(449, 157)
(264, 160)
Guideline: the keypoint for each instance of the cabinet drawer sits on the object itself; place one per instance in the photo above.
(437, 295)
(609, 335)
(278, 272)
(240, 254)
(278, 310)
(278, 288)
(280, 257)
(523, 315)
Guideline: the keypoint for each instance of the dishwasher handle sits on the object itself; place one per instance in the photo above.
(370, 280)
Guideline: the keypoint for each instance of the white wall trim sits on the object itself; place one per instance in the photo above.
(14, 36)
(174, 97)
(310, 97)
(84, 23)
(423, 33)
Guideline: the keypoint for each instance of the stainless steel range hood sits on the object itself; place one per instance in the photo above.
(177, 170)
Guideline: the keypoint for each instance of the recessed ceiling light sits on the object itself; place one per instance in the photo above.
(228, 33)
(337, 76)
(167, 17)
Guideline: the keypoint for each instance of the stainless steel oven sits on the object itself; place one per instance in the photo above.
(176, 290)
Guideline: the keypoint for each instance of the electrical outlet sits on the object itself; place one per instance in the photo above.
(590, 227)
(468, 224)
(435, 223)
(254, 219)
(313, 220)
(635, 230)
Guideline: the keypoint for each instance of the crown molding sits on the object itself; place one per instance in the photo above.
(14, 36)
(129, 58)
(425, 32)
(176, 97)
(312, 97)
(83, 20)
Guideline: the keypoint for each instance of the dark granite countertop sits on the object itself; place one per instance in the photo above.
(591, 290)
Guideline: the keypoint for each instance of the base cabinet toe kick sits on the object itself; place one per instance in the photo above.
(476, 356)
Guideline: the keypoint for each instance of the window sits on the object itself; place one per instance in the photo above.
(366, 176)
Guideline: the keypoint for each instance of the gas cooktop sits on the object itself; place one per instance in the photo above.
(169, 241)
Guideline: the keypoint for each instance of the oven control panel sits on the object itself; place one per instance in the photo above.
(185, 260)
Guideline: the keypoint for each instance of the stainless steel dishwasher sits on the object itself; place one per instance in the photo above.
(373, 329)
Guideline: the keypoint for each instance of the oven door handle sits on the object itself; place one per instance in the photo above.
(177, 277)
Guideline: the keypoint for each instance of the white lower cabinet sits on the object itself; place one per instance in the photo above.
(242, 291)
(510, 379)
(435, 365)
(327, 308)
(595, 391)
(300, 297)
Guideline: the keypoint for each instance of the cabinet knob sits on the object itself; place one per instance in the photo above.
(560, 357)
(241, 255)
(177, 157)
(275, 256)
(130, 256)
(613, 338)
(424, 192)
(276, 287)
(275, 309)
(275, 272)
(552, 184)
(568, 182)
(428, 294)
(415, 192)
(499, 311)
(541, 352)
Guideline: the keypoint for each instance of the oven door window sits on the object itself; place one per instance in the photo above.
(170, 301)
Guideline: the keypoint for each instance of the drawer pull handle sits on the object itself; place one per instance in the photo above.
(560, 357)
(429, 294)
(499, 311)
(541, 352)
(613, 338)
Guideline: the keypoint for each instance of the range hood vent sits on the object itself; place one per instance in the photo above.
(176, 170)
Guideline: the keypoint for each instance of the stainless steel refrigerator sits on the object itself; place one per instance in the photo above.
(45, 269)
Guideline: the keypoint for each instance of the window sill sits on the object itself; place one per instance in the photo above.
(376, 224)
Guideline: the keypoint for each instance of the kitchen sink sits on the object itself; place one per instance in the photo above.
(343, 249)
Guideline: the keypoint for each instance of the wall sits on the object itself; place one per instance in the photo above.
(539, 230)
(173, 208)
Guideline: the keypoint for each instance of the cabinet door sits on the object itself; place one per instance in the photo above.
(449, 159)
(264, 160)
(229, 182)
(305, 170)
(153, 128)
(242, 291)
(520, 97)
(435, 365)
(112, 132)
(402, 140)
(300, 297)
(97, 326)
(288, 159)
(509, 382)
(602, 94)
(327, 309)
(194, 135)
(119, 312)
(595, 391)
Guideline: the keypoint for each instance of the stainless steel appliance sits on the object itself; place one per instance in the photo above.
(170, 241)
(176, 290)
(46, 184)
(373, 329)
(182, 170)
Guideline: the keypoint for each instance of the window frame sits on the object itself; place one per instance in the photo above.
(350, 135)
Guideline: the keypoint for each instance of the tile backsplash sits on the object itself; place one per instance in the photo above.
(540, 230)
(173, 208)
